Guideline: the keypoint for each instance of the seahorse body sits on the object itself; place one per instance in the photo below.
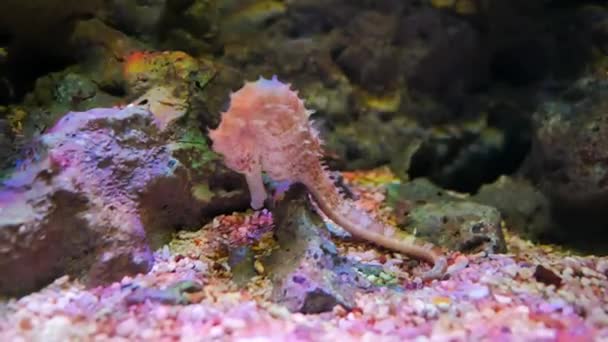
(267, 128)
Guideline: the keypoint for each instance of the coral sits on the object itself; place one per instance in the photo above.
(267, 128)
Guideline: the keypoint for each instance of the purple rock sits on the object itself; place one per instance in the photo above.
(108, 189)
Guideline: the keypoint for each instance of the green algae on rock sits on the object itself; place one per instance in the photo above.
(465, 226)
(446, 218)
(524, 208)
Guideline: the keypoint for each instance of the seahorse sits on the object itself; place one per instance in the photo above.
(267, 128)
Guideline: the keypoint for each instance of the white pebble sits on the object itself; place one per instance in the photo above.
(418, 306)
(443, 306)
(216, 331)
(199, 266)
(234, 323)
(161, 313)
(55, 329)
(478, 292)
(590, 273)
(126, 327)
(598, 316)
(526, 273)
(602, 266)
(431, 311)
(148, 334)
(503, 299)
(510, 270)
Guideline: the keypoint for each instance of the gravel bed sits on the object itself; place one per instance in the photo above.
(535, 293)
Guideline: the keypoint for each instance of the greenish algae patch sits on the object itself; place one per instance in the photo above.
(199, 154)
(202, 192)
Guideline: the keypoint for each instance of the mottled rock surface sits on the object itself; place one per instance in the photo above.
(569, 162)
(523, 207)
(307, 273)
(569, 158)
(464, 226)
(110, 186)
(447, 219)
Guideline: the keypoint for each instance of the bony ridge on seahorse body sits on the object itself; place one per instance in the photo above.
(267, 128)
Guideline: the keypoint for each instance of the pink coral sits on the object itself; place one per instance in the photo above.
(267, 128)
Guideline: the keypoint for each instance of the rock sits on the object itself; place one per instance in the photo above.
(7, 148)
(110, 186)
(416, 191)
(369, 60)
(74, 89)
(306, 271)
(60, 92)
(596, 17)
(241, 260)
(248, 18)
(454, 65)
(143, 70)
(196, 19)
(463, 226)
(446, 218)
(54, 21)
(65, 33)
(370, 141)
(466, 156)
(174, 294)
(523, 207)
(547, 276)
(135, 17)
(569, 158)
(95, 85)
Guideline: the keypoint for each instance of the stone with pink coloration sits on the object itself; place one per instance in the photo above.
(110, 186)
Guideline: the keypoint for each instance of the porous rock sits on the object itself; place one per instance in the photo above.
(463, 226)
(108, 189)
(569, 164)
(524, 208)
(307, 273)
(447, 219)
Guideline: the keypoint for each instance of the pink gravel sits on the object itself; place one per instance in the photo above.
(537, 293)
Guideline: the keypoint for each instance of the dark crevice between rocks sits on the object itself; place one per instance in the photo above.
(450, 172)
(529, 54)
(25, 65)
(113, 89)
(580, 227)
(6, 91)
(509, 65)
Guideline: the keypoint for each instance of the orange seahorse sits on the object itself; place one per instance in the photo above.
(267, 128)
